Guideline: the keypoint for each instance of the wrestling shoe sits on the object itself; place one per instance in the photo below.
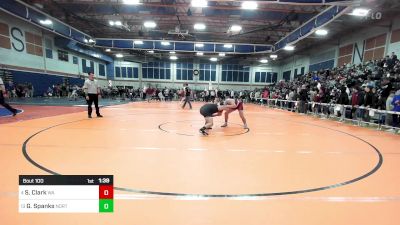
(203, 131)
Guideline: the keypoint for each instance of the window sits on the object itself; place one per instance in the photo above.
(87, 66)
(102, 70)
(117, 71)
(208, 72)
(235, 73)
(5, 36)
(265, 77)
(49, 48)
(74, 60)
(127, 72)
(375, 48)
(63, 55)
(33, 44)
(184, 71)
(286, 75)
(123, 72)
(322, 65)
(130, 72)
(154, 70)
(49, 53)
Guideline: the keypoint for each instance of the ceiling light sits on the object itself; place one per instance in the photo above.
(289, 48)
(111, 23)
(251, 5)
(118, 23)
(263, 60)
(108, 50)
(119, 55)
(199, 26)
(46, 22)
(199, 53)
(213, 59)
(165, 43)
(91, 41)
(149, 24)
(151, 51)
(228, 45)
(199, 45)
(172, 52)
(321, 32)
(235, 28)
(199, 3)
(173, 57)
(360, 12)
(85, 40)
(273, 56)
(131, 2)
(221, 54)
(138, 42)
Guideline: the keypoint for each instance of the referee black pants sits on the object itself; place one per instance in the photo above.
(5, 105)
(93, 98)
(187, 100)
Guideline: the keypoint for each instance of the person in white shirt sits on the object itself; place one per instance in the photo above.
(92, 92)
(212, 96)
(161, 96)
(2, 101)
(74, 94)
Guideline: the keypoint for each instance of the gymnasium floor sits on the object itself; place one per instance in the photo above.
(286, 169)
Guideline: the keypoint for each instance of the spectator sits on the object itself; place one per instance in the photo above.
(396, 108)
(389, 107)
(303, 97)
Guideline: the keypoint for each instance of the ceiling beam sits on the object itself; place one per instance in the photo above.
(187, 5)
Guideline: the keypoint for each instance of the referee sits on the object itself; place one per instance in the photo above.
(92, 92)
(187, 93)
(2, 101)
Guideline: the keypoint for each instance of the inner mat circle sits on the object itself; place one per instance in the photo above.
(144, 159)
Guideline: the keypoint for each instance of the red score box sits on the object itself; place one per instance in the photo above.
(106, 192)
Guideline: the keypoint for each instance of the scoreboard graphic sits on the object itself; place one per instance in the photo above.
(66, 194)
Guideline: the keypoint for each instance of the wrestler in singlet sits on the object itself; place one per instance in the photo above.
(239, 106)
(208, 110)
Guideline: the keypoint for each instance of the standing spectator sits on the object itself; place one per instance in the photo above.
(161, 96)
(144, 93)
(303, 96)
(396, 108)
(212, 96)
(2, 101)
(343, 100)
(265, 96)
(386, 90)
(389, 107)
(10, 88)
(354, 101)
(31, 90)
(291, 98)
(74, 94)
(361, 102)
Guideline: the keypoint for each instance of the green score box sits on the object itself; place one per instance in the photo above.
(106, 205)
